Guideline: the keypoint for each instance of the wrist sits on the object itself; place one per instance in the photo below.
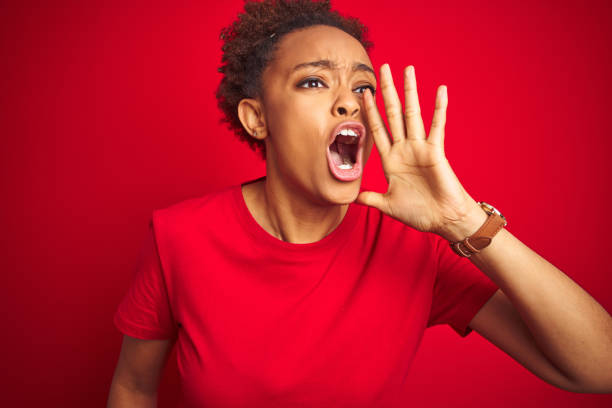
(467, 225)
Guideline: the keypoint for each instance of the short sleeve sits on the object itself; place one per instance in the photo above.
(460, 290)
(144, 311)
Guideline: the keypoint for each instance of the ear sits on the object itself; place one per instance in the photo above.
(251, 116)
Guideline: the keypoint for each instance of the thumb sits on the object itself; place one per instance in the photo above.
(372, 199)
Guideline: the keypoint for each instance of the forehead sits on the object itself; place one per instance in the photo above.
(319, 43)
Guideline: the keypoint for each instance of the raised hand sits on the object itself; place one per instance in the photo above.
(423, 191)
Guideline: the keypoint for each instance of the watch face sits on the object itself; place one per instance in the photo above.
(489, 209)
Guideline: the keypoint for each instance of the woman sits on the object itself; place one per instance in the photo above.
(298, 290)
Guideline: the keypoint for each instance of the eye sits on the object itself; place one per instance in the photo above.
(361, 89)
(311, 83)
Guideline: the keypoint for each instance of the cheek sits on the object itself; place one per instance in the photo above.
(299, 128)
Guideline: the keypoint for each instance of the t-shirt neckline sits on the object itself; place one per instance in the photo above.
(337, 236)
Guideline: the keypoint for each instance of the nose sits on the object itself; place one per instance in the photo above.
(346, 104)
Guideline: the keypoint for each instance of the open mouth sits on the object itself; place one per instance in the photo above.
(345, 151)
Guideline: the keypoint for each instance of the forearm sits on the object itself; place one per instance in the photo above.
(568, 325)
(124, 397)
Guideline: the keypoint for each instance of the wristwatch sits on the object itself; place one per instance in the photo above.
(481, 238)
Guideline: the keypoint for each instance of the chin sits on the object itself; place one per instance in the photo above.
(341, 192)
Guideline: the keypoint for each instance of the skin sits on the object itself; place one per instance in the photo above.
(539, 316)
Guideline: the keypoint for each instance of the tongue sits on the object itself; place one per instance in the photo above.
(340, 153)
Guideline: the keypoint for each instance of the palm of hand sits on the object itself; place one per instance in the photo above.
(423, 190)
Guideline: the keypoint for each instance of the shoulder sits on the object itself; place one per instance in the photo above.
(389, 231)
(213, 207)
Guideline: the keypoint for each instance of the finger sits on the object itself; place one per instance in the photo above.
(372, 199)
(375, 123)
(438, 122)
(414, 123)
(393, 106)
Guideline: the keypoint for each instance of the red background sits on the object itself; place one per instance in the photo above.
(107, 112)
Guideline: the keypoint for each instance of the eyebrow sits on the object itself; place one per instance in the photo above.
(358, 66)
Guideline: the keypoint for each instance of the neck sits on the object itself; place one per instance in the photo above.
(288, 215)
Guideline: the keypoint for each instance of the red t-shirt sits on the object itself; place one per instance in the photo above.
(259, 322)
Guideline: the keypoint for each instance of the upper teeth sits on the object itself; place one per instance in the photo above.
(348, 132)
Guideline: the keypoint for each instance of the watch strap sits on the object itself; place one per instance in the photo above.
(481, 238)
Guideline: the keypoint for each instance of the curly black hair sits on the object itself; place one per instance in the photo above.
(249, 44)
